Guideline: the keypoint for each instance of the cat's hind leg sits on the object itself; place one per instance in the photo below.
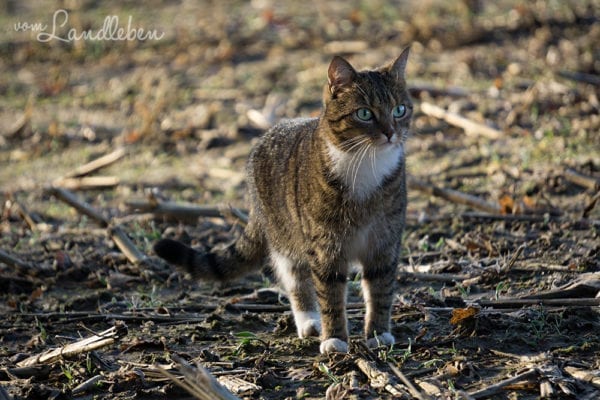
(296, 280)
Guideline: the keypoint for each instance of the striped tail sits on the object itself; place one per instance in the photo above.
(241, 257)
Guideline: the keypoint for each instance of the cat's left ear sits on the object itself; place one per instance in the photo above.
(340, 74)
(398, 68)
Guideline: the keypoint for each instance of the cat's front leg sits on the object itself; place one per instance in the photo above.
(330, 284)
(296, 280)
(378, 286)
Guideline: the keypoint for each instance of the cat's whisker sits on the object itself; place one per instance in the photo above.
(350, 144)
(373, 154)
(363, 152)
(354, 146)
(352, 165)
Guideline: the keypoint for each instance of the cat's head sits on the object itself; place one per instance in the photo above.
(370, 106)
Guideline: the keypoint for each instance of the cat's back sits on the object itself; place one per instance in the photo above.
(280, 144)
(289, 131)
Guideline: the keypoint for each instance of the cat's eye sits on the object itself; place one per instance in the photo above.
(364, 114)
(399, 111)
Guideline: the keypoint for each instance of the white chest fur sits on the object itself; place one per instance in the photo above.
(364, 170)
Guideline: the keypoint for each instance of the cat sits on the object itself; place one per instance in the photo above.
(326, 194)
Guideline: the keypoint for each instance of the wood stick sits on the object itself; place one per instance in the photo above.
(126, 245)
(184, 211)
(590, 205)
(453, 196)
(197, 381)
(510, 303)
(411, 388)
(442, 277)
(26, 215)
(82, 346)
(527, 218)
(37, 371)
(81, 206)
(14, 262)
(592, 377)
(586, 285)
(238, 386)
(580, 179)
(496, 388)
(115, 232)
(540, 266)
(379, 379)
(22, 122)
(471, 128)
(87, 182)
(581, 77)
(416, 89)
(513, 258)
(86, 385)
(98, 163)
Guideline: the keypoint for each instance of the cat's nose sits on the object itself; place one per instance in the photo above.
(388, 132)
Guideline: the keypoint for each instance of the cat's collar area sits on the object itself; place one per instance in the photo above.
(365, 168)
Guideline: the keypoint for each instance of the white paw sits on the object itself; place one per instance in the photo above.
(385, 339)
(308, 323)
(333, 345)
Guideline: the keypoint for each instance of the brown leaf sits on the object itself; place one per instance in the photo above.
(530, 202)
(462, 315)
(36, 294)
(507, 204)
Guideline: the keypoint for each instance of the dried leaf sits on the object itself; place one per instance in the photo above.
(507, 204)
(36, 294)
(462, 315)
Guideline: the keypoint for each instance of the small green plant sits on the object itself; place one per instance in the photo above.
(435, 294)
(325, 370)
(407, 352)
(465, 291)
(68, 372)
(42, 329)
(452, 351)
(538, 324)
(246, 338)
(89, 365)
(543, 323)
(423, 243)
(439, 245)
(146, 299)
(432, 363)
(396, 355)
(501, 287)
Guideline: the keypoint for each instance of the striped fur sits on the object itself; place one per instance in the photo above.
(326, 193)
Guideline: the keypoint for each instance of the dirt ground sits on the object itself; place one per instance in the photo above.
(500, 266)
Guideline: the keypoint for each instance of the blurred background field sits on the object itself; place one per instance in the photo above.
(183, 112)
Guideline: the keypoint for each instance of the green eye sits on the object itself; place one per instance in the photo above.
(364, 114)
(399, 111)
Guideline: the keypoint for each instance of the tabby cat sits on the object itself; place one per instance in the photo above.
(327, 194)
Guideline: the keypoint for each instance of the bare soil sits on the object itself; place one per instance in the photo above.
(506, 287)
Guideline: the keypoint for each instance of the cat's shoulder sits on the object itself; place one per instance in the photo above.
(294, 125)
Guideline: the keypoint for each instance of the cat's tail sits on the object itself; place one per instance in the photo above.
(222, 263)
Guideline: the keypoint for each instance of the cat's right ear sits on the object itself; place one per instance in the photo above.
(340, 74)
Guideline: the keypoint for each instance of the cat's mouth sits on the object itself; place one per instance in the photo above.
(384, 141)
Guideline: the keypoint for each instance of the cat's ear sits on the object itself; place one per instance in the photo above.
(340, 74)
(398, 68)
